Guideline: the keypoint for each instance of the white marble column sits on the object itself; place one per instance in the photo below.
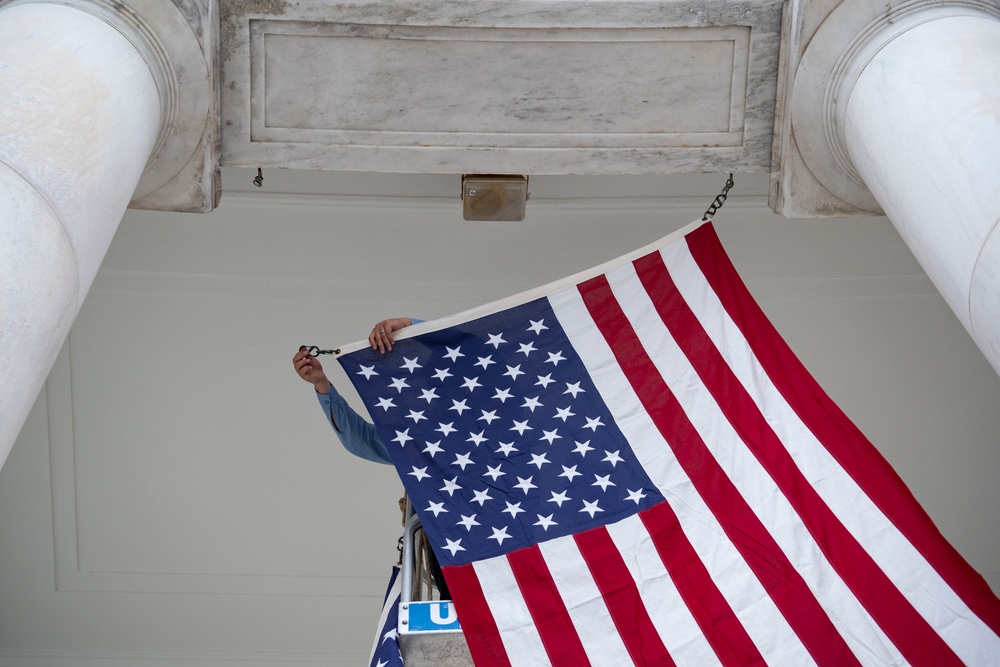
(80, 114)
(893, 106)
(922, 128)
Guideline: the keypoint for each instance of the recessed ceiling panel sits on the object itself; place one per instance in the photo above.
(628, 88)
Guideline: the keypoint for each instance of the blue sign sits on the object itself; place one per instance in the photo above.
(427, 617)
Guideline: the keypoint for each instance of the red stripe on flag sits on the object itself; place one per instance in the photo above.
(720, 625)
(474, 614)
(559, 636)
(758, 548)
(839, 435)
(622, 598)
(905, 627)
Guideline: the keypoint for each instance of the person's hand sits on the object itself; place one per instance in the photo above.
(381, 337)
(310, 370)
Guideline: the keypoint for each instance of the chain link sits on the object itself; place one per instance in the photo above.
(720, 200)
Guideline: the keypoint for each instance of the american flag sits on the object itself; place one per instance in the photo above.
(631, 467)
(385, 650)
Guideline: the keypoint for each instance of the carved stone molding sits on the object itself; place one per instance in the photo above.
(183, 171)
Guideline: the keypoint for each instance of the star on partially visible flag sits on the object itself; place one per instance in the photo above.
(385, 650)
(631, 467)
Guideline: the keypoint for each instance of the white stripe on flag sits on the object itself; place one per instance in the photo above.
(517, 630)
(677, 627)
(737, 582)
(583, 600)
(915, 578)
(754, 483)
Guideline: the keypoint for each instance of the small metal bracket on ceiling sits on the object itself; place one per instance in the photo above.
(259, 179)
(719, 200)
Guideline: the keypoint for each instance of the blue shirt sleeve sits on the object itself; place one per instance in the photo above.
(357, 435)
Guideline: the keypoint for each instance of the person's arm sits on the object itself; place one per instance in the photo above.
(358, 436)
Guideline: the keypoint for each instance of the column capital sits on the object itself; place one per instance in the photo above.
(179, 40)
(826, 44)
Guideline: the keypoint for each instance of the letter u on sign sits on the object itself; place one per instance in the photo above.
(443, 613)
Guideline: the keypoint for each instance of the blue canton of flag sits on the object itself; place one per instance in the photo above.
(500, 437)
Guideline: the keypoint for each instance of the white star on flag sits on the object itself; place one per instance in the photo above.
(410, 364)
